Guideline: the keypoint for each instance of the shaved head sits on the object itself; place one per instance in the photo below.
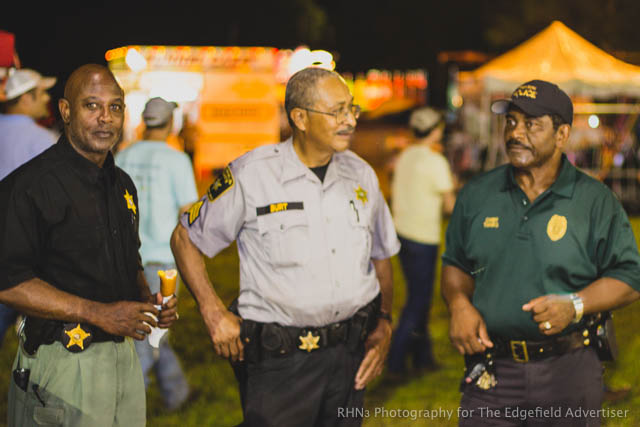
(83, 75)
(92, 110)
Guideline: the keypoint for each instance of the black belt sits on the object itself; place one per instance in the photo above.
(75, 336)
(525, 351)
(262, 340)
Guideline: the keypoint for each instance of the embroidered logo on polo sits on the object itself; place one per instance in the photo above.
(224, 182)
(557, 227)
(194, 211)
(129, 198)
(491, 222)
(361, 195)
(527, 91)
(279, 207)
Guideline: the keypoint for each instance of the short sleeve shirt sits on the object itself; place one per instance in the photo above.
(72, 224)
(305, 246)
(571, 235)
(164, 179)
(420, 178)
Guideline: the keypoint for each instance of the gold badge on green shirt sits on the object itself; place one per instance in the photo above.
(557, 227)
(491, 222)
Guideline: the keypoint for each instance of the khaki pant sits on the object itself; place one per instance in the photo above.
(101, 386)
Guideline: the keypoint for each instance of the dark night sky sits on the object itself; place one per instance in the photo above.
(387, 34)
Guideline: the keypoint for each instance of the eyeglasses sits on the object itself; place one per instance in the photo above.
(342, 115)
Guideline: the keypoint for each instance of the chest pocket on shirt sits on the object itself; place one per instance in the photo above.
(360, 235)
(286, 237)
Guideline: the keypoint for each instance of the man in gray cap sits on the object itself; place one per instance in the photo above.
(537, 252)
(21, 138)
(166, 187)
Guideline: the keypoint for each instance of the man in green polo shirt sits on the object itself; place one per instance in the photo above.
(533, 246)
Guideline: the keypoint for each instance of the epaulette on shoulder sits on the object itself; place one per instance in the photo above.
(355, 163)
(353, 157)
(259, 153)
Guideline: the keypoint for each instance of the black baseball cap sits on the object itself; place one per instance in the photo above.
(538, 98)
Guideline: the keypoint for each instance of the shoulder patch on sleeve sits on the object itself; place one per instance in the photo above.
(224, 182)
(194, 211)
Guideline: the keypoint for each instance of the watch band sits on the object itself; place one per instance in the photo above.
(578, 306)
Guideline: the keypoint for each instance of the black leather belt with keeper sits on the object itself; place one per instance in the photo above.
(75, 337)
(263, 340)
(526, 351)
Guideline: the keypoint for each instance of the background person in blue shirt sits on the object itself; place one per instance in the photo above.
(21, 138)
(166, 187)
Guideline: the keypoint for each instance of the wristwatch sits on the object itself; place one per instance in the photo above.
(578, 306)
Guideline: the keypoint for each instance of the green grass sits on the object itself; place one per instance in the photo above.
(219, 404)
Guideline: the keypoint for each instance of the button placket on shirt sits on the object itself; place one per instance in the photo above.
(329, 232)
(523, 207)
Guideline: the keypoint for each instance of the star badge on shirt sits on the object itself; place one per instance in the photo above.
(361, 195)
(309, 342)
(129, 198)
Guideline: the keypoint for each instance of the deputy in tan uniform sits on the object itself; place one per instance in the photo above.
(315, 237)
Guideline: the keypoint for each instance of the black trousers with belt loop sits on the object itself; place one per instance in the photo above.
(563, 390)
(302, 389)
(287, 380)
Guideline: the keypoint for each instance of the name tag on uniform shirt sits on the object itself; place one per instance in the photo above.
(279, 207)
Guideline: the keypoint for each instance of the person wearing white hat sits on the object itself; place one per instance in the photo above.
(422, 190)
(21, 138)
(26, 100)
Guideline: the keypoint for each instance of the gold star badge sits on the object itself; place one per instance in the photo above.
(129, 198)
(77, 336)
(309, 342)
(361, 195)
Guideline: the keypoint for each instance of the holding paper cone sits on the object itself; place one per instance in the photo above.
(168, 279)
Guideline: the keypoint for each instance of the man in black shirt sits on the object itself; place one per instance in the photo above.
(69, 261)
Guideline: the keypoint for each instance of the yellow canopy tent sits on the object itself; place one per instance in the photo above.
(556, 54)
(559, 55)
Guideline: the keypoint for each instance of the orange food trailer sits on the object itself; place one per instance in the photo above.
(228, 94)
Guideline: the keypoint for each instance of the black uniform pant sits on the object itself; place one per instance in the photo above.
(562, 390)
(302, 389)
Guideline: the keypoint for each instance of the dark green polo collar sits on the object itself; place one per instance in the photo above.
(563, 185)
